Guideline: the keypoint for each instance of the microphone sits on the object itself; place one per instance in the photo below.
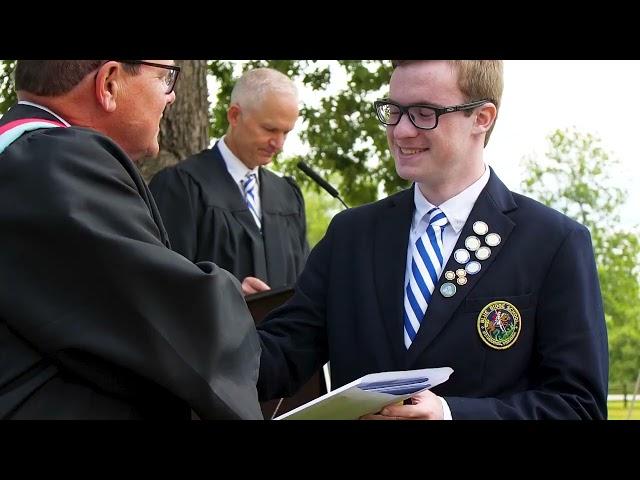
(320, 181)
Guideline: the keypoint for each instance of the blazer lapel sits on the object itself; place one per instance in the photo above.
(389, 257)
(492, 204)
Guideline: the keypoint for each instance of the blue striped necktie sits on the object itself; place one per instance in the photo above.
(426, 266)
(249, 187)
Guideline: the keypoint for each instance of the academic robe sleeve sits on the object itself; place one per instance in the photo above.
(88, 282)
(302, 223)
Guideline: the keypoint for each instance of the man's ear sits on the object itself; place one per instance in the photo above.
(233, 114)
(485, 116)
(108, 84)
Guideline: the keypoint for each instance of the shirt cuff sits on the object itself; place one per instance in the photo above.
(446, 411)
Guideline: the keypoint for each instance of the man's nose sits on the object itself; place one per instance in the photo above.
(277, 142)
(405, 128)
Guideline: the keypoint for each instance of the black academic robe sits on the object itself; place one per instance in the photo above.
(99, 318)
(348, 308)
(207, 218)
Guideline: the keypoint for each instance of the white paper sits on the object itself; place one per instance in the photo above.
(351, 401)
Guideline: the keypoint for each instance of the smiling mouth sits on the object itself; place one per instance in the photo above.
(412, 151)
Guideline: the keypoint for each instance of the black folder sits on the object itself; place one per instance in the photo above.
(263, 302)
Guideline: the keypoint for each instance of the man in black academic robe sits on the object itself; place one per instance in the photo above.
(203, 204)
(208, 219)
(99, 318)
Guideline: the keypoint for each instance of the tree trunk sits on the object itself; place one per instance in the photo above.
(185, 124)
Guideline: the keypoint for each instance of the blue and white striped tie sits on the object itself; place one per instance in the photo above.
(426, 266)
(248, 185)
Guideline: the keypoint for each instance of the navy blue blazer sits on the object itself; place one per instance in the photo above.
(348, 309)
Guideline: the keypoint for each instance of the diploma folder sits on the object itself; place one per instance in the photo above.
(262, 303)
(369, 394)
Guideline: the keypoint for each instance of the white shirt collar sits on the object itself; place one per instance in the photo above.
(24, 102)
(236, 168)
(456, 209)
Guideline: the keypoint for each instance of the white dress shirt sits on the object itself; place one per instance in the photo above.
(238, 172)
(457, 210)
(24, 102)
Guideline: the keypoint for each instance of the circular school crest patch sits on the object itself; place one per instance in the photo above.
(499, 324)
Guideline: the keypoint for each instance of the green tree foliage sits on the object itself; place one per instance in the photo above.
(618, 272)
(7, 92)
(320, 208)
(574, 178)
(344, 138)
(345, 141)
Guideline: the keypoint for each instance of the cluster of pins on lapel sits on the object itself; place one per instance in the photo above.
(473, 248)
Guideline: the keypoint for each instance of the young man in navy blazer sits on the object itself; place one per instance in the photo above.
(455, 271)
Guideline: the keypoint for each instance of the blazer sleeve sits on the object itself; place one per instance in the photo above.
(294, 337)
(570, 361)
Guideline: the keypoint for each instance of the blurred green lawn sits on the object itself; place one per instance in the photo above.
(617, 411)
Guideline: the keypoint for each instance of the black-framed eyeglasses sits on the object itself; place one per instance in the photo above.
(170, 79)
(424, 117)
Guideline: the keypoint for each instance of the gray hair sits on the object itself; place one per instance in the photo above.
(251, 87)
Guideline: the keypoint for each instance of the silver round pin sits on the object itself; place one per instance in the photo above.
(448, 289)
(461, 280)
(472, 243)
(449, 275)
(480, 228)
(483, 253)
(493, 239)
(461, 256)
(472, 267)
